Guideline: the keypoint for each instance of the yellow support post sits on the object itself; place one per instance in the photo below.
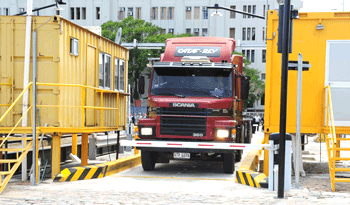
(84, 149)
(266, 155)
(56, 155)
(74, 144)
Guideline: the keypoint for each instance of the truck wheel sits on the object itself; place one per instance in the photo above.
(148, 160)
(229, 164)
(238, 156)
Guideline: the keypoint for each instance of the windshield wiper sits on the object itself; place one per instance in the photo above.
(172, 94)
(208, 93)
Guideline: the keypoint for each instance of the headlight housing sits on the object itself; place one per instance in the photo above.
(147, 131)
(223, 133)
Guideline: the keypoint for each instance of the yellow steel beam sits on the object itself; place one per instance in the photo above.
(56, 155)
(84, 149)
(75, 144)
(266, 155)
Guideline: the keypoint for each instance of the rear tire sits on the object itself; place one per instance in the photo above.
(148, 160)
(229, 164)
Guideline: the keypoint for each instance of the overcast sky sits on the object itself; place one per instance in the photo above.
(325, 5)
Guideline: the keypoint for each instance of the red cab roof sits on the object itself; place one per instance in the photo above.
(216, 48)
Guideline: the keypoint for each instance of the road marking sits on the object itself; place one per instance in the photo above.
(190, 178)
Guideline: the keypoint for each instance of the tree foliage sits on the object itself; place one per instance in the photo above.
(257, 86)
(143, 32)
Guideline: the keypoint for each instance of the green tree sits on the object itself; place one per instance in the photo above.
(257, 86)
(143, 32)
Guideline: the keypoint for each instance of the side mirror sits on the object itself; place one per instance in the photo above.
(141, 85)
(245, 87)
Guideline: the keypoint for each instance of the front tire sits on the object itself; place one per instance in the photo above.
(229, 163)
(148, 160)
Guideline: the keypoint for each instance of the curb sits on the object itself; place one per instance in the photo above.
(99, 170)
(246, 173)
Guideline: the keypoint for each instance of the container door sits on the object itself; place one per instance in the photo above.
(90, 81)
(338, 77)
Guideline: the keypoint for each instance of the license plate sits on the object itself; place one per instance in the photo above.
(181, 155)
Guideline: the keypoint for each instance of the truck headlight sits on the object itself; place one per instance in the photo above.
(221, 133)
(146, 131)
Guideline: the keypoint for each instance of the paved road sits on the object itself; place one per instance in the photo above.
(174, 183)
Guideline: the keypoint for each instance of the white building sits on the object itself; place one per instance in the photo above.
(175, 16)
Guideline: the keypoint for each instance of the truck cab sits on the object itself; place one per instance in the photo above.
(196, 94)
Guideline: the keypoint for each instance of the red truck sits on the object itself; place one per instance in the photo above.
(195, 104)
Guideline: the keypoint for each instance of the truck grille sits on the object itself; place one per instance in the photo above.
(183, 126)
(183, 111)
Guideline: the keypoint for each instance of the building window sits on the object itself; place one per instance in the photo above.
(252, 58)
(138, 12)
(248, 55)
(249, 10)
(74, 46)
(262, 100)
(243, 52)
(188, 30)
(121, 14)
(78, 13)
(171, 13)
(131, 11)
(196, 12)
(196, 31)
(243, 34)
(154, 13)
(20, 10)
(263, 56)
(248, 34)
(171, 30)
(116, 74)
(72, 13)
(232, 33)
(233, 14)
(105, 70)
(205, 12)
(188, 12)
(254, 9)
(253, 34)
(163, 31)
(263, 34)
(262, 76)
(244, 10)
(163, 13)
(58, 12)
(204, 32)
(122, 75)
(6, 11)
(98, 13)
(83, 13)
(264, 10)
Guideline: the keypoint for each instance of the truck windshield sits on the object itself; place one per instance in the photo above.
(199, 82)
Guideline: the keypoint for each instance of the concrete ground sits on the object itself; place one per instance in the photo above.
(183, 182)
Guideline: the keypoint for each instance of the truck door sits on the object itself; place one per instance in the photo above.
(338, 78)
